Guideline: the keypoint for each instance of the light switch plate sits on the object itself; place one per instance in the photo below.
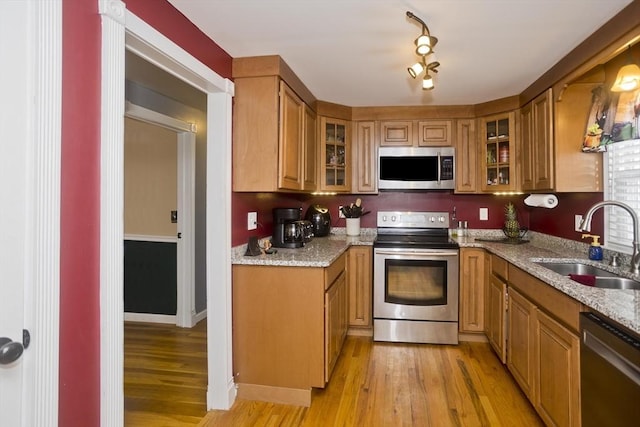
(252, 220)
(484, 214)
(578, 220)
(340, 214)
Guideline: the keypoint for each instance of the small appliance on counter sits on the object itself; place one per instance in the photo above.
(289, 230)
(320, 219)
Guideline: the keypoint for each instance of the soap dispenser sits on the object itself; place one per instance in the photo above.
(595, 250)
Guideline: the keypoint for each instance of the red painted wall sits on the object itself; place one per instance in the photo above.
(557, 221)
(79, 381)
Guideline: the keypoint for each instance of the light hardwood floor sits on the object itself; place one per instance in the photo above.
(373, 384)
(165, 375)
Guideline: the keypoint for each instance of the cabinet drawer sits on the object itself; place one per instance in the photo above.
(558, 305)
(499, 267)
(334, 270)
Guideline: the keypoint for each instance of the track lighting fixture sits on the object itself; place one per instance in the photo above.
(424, 46)
(628, 77)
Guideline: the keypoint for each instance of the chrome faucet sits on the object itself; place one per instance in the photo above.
(585, 225)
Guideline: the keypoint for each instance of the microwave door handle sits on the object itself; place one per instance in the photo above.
(439, 169)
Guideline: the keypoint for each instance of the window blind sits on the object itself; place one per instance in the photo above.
(622, 171)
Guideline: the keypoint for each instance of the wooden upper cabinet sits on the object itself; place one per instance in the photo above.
(536, 144)
(576, 171)
(269, 137)
(416, 133)
(435, 133)
(291, 145)
(335, 155)
(396, 133)
(499, 158)
(466, 156)
(310, 155)
(365, 179)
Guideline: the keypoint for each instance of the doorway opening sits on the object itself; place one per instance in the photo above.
(122, 30)
(159, 218)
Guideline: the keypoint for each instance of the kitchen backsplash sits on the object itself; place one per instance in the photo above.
(556, 222)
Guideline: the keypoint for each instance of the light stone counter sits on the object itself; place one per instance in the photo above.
(319, 252)
(622, 306)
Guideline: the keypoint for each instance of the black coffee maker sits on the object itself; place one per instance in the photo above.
(288, 230)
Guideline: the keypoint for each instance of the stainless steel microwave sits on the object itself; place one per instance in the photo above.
(416, 168)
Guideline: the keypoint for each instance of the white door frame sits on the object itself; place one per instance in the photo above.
(120, 29)
(31, 115)
(185, 254)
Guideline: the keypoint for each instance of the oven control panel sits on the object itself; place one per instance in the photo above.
(412, 219)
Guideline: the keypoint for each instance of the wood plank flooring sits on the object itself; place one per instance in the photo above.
(165, 374)
(373, 384)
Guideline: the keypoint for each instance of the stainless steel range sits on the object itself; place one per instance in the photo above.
(415, 279)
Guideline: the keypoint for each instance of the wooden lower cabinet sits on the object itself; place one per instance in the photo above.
(289, 324)
(360, 284)
(543, 347)
(335, 317)
(472, 290)
(496, 315)
(557, 389)
(521, 341)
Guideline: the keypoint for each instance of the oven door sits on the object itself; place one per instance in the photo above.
(415, 284)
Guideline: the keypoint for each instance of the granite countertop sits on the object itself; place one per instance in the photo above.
(319, 252)
(622, 306)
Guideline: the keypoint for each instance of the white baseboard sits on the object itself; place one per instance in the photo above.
(150, 318)
(199, 316)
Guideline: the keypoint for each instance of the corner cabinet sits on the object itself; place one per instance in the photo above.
(498, 170)
(335, 155)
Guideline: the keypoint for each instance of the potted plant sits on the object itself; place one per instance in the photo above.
(592, 139)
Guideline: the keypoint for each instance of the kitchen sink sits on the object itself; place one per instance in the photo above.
(616, 283)
(576, 268)
(603, 278)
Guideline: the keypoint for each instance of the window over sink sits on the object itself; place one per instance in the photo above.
(622, 183)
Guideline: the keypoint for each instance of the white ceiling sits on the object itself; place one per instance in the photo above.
(356, 52)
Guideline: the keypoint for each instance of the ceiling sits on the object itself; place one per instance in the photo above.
(356, 52)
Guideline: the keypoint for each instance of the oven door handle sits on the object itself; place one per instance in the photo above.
(415, 252)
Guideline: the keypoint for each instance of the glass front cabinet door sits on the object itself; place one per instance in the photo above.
(498, 144)
(335, 154)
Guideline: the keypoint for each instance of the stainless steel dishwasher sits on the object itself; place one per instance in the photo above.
(609, 373)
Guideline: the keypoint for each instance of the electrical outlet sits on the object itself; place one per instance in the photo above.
(484, 214)
(252, 220)
(578, 221)
(340, 214)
